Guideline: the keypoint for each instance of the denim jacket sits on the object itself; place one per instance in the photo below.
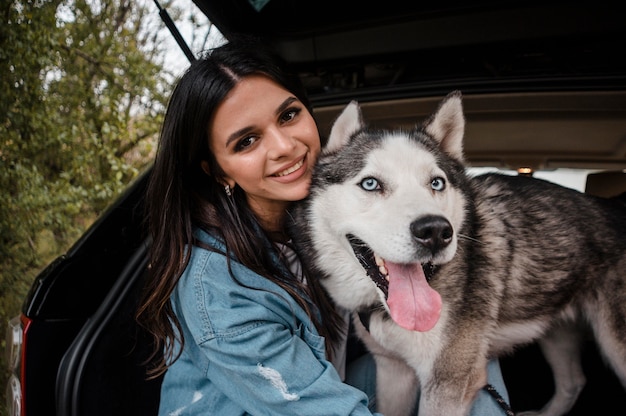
(248, 350)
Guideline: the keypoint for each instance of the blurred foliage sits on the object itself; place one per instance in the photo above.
(82, 96)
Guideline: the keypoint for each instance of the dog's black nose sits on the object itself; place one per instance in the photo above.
(433, 232)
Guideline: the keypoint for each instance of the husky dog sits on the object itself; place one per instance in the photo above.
(448, 271)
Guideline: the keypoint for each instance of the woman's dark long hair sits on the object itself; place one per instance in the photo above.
(181, 196)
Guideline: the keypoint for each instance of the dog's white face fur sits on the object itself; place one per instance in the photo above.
(399, 183)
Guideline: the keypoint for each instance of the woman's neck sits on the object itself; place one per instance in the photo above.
(274, 227)
(271, 220)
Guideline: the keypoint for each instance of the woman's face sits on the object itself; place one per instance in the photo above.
(266, 142)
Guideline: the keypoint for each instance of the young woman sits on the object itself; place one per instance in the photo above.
(238, 327)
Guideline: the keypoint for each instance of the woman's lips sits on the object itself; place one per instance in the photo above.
(290, 169)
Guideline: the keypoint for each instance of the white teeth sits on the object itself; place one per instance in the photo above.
(381, 266)
(384, 272)
(291, 169)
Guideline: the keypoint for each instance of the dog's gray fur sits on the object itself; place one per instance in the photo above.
(515, 259)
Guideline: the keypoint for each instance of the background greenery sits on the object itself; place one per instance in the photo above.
(83, 89)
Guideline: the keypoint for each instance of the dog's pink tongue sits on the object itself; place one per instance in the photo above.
(414, 305)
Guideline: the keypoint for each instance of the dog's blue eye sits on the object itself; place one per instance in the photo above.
(438, 184)
(370, 184)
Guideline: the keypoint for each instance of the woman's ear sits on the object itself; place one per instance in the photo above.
(205, 167)
(221, 180)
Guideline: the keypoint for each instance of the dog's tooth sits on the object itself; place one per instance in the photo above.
(381, 265)
(383, 270)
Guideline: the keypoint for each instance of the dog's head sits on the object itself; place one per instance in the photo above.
(384, 210)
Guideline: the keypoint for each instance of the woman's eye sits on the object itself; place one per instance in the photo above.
(290, 114)
(245, 143)
(370, 184)
(438, 184)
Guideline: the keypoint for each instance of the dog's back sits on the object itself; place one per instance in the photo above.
(552, 250)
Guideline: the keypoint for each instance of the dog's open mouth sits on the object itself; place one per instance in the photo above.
(375, 265)
(413, 304)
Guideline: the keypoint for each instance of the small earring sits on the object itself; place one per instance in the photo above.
(227, 190)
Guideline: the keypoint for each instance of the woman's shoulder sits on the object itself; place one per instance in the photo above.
(208, 254)
(210, 265)
(208, 239)
(214, 285)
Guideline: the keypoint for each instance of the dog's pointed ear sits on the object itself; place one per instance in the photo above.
(346, 124)
(447, 125)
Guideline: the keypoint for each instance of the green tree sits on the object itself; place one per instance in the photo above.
(82, 94)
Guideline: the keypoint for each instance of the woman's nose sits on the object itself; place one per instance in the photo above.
(281, 143)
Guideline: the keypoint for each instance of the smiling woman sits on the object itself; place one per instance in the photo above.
(265, 142)
(225, 298)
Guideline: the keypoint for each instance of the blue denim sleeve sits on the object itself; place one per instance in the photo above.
(250, 349)
(281, 374)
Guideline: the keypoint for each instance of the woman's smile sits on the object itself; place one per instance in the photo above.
(295, 168)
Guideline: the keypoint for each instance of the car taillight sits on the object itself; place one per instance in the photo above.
(14, 349)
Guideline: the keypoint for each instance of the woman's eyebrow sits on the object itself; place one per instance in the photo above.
(236, 135)
(285, 104)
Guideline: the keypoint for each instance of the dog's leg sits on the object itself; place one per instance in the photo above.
(396, 387)
(451, 383)
(561, 349)
(609, 335)
(396, 382)
(452, 391)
